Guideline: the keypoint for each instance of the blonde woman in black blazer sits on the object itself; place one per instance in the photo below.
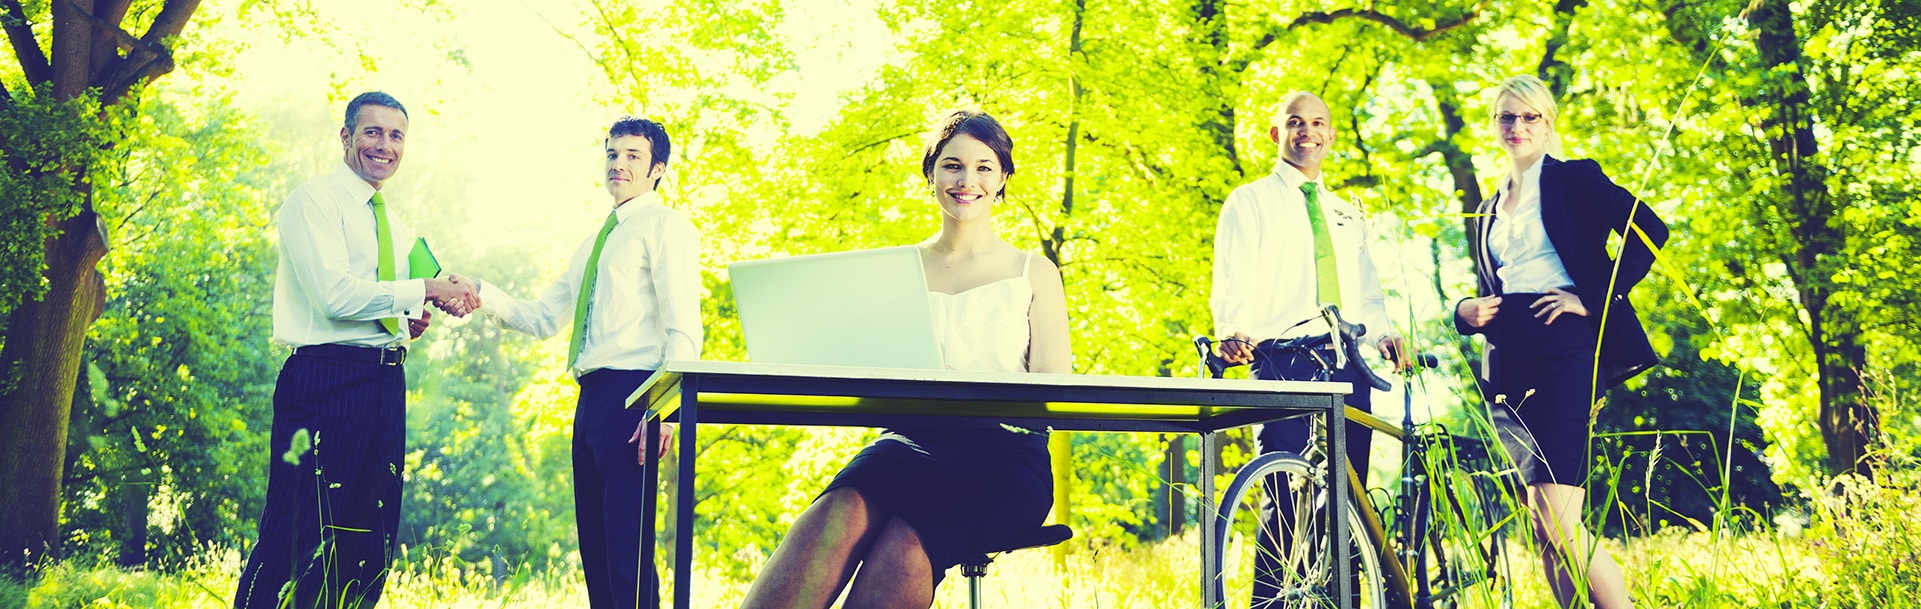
(1551, 291)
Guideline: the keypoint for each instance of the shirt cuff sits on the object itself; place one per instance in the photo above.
(410, 298)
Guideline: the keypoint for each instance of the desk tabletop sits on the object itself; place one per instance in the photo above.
(746, 392)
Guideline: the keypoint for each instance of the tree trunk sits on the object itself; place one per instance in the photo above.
(1847, 421)
(1224, 78)
(1060, 446)
(1460, 165)
(1556, 73)
(42, 355)
(136, 492)
(89, 50)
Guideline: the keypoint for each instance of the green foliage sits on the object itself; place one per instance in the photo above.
(13, 593)
(1869, 538)
(41, 141)
(1167, 103)
(179, 367)
(1667, 438)
(488, 463)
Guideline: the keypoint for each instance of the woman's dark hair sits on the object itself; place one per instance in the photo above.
(656, 136)
(975, 124)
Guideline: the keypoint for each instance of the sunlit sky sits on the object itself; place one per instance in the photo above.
(523, 116)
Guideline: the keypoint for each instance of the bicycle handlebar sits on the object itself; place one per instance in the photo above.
(1346, 342)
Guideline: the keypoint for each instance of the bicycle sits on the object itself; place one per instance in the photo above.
(1453, 547)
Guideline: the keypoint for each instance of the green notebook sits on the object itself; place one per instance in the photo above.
(421, 263)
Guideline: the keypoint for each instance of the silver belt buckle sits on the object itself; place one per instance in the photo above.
(393, 356)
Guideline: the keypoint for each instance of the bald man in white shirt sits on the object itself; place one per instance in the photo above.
(1267, 281)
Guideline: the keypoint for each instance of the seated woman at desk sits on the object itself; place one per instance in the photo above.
(916, 501)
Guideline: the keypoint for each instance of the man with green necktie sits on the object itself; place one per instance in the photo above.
(344, 301)
(630, 300)
(1285, 246)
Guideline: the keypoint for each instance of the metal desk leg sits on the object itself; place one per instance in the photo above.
(1337, 501)
(649, 505)
(684, 496)
(1210, 569)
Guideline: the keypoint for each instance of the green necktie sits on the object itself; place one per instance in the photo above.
(1327, 276)
(586, 296)
(385, 262)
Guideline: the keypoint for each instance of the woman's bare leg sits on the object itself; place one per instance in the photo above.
(1556, 511)
(816, 558)
(896, 574)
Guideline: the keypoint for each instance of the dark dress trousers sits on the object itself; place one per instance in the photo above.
(607, 492)
(333, 501)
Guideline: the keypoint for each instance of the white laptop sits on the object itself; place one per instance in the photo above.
(864, 308)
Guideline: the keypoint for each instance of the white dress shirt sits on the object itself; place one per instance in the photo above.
(325, 289)
(1264, 273)
(1524, 258)
(645, 308)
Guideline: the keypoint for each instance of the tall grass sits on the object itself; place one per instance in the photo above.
(1860, 547)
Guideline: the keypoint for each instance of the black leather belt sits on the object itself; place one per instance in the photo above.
(383, 356)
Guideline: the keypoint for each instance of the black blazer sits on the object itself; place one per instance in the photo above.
(1580, 206)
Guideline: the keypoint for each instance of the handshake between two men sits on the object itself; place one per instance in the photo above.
(457, 296)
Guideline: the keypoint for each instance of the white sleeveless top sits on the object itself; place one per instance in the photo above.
(985, 329)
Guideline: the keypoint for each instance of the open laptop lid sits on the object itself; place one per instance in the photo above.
(864, 308)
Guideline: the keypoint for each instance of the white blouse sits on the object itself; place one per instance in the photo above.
(985, 329)
(1524, 258)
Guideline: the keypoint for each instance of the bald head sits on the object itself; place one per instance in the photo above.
(1293, 103)
(1304, 129)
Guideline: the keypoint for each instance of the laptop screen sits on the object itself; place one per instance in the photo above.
(864, 308)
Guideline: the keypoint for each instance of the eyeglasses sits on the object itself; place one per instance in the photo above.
(1526, 118)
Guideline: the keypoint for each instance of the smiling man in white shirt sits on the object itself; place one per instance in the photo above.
(342, 300)
(1285, 246)
(631, 297)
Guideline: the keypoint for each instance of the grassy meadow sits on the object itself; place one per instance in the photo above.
(1859, 547)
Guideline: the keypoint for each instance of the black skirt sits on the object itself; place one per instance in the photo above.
(1542, 391)
(965, 490)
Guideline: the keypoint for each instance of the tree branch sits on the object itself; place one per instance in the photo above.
(1556, 73)
(33, 62)
(885, 140)
(149, 56)
(1385, 20)
(108, 40)
(120, 36)
(584, 51)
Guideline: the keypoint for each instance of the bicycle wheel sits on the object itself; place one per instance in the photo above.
(1462, 564)
(1289, 556)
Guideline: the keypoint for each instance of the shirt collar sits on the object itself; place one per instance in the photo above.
(1532, 174)
(1293, 177)
(634, 205)
(357, 188)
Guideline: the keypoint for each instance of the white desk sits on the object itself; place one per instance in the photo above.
(693, 393)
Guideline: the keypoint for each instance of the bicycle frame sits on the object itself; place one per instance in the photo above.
(1403, 592)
